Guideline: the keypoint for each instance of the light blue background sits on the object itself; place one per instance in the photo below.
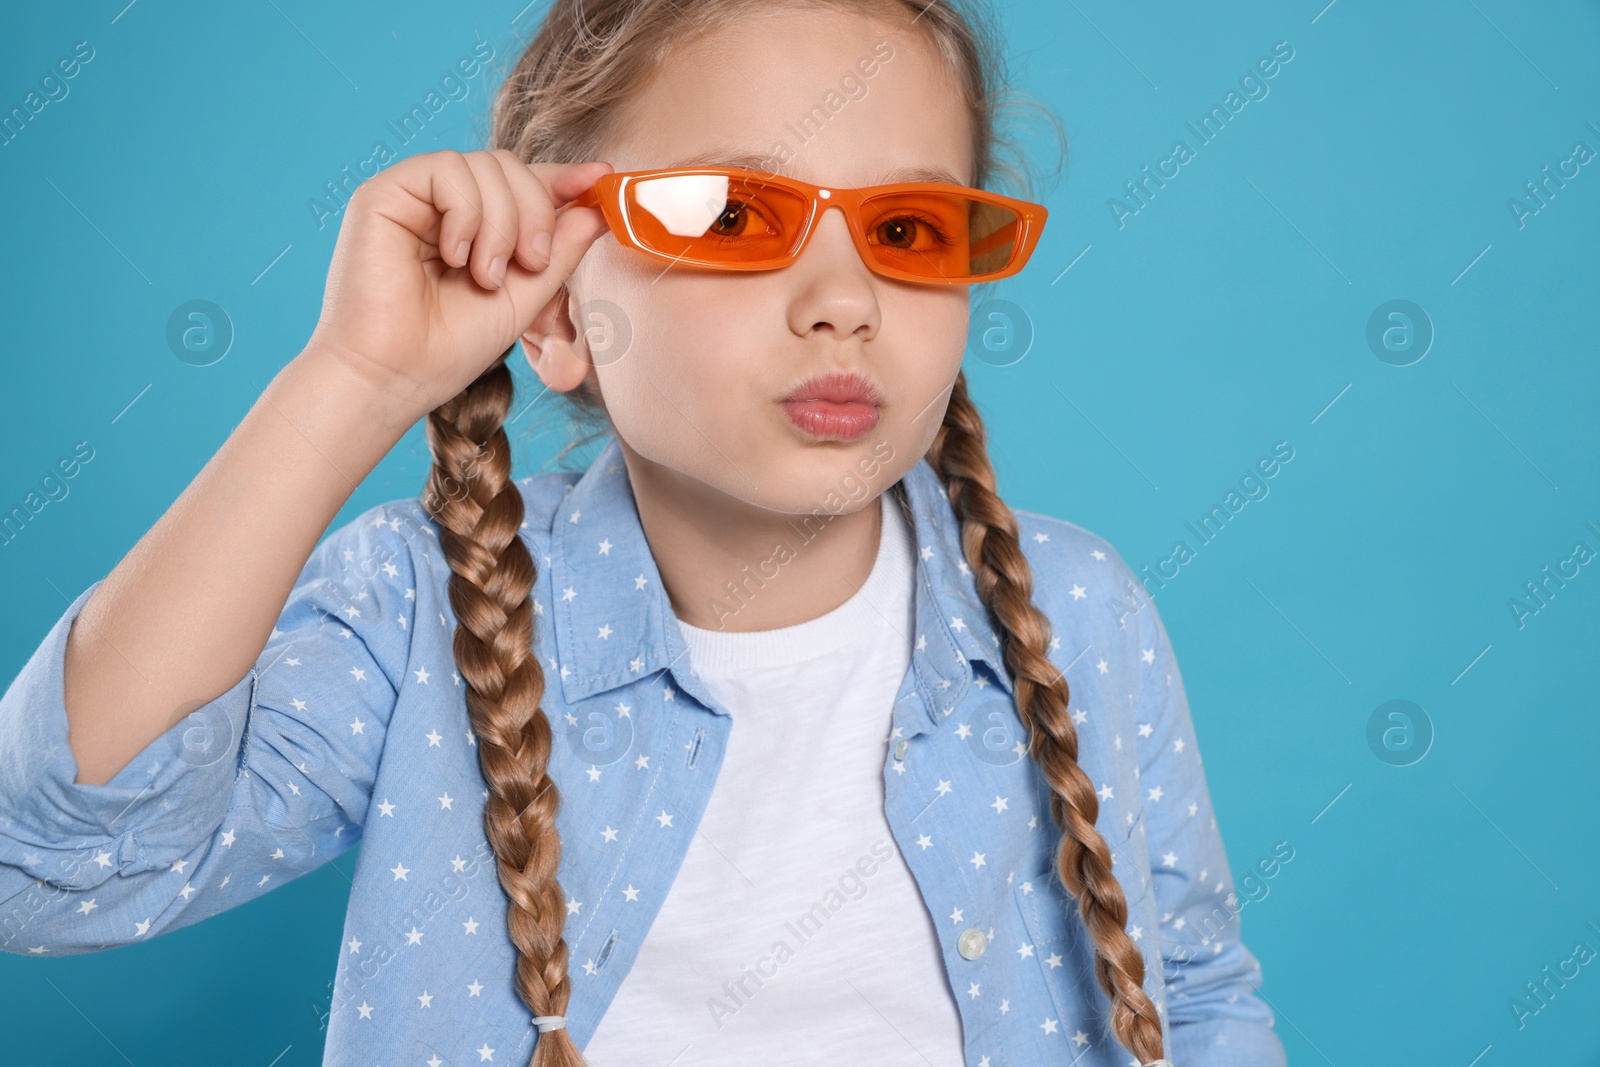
(1230, 313)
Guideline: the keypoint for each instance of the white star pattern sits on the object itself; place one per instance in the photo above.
(963, 815)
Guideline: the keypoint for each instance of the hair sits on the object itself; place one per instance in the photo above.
(559, 103)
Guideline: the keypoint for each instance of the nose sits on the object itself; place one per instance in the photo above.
(835, 286)
(831, 238)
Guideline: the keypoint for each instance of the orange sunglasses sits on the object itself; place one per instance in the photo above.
(728, 218)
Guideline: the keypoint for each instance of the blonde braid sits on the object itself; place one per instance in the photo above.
(479, 510)
(1005, 583)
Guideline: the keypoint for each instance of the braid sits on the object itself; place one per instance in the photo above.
(989, 540)
(472, 497)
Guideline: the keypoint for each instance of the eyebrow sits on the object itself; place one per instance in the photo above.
(760, 163)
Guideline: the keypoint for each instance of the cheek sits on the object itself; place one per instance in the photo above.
(933, 343)
(934, 339)
(951, 343)
(689, 328)
(690, 354)
(935, 317)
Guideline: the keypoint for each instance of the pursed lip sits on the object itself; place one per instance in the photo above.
(839, 387)
(838, 406)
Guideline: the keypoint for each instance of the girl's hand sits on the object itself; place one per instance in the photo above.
(444, 260)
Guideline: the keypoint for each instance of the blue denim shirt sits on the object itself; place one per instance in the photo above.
(352, 726)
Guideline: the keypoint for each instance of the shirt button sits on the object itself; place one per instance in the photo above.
(971, 943)
(900, 750)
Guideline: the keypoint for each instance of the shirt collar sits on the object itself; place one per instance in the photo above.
(613, 622)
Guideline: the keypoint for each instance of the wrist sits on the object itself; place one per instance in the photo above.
(368, 391)
(342, 410)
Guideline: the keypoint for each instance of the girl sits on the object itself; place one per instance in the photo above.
(919, 843)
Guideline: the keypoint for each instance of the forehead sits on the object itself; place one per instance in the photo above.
(831, 97)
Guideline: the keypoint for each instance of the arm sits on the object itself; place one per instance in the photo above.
(174, 629)
(265, 782)
(402, 331)
(1210, 975)
(179, 621)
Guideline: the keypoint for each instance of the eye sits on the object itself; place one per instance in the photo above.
(739, 219)
(909, 233)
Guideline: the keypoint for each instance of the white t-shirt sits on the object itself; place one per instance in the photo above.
(794, 932)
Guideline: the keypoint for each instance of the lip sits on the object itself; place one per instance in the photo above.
(834, 407)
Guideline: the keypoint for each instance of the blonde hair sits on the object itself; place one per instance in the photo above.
(558, 103)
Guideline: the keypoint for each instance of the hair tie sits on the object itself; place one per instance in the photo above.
(558, 1022)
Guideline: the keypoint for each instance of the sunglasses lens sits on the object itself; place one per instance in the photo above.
(712, 218)
(941, 235)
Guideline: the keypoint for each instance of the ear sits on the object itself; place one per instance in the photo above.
(553, 347)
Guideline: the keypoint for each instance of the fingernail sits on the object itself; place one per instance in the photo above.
(541, 247)
(461, 253)
(497, 269)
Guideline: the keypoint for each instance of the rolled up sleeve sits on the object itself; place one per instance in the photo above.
(1210, 976)
(146, 813)
(266, 782)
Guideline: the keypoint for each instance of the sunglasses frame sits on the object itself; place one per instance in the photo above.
(609, 194)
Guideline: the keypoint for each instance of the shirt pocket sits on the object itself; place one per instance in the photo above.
(1063, 952)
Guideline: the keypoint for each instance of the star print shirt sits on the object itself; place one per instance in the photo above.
(352, 728)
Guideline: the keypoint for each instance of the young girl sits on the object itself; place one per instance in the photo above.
(762, 725)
